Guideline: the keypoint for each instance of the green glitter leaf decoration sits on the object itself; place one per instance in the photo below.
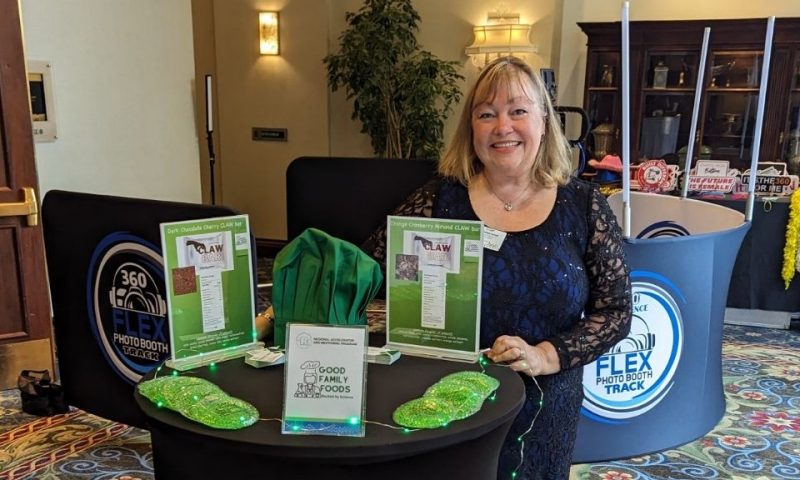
(454, 397)
(423, 412)
(199, 400)
(223, 411)
(486, 383)
(465, 400)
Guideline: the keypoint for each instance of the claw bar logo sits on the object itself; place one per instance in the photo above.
(636, 374)
(127, 305)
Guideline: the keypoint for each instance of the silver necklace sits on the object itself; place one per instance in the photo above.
(507, 206)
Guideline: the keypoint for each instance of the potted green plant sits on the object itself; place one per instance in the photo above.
(401, 94)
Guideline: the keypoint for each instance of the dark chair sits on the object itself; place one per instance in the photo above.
(108, 293)
(349, 197)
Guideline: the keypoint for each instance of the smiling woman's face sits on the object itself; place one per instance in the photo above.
(507, 127)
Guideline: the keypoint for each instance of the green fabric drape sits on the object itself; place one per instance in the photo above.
(318, 278)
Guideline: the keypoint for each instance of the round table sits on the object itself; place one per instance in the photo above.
(465, 449)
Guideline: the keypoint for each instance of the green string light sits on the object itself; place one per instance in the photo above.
(296, 427)
(482, 361)
(521, 438)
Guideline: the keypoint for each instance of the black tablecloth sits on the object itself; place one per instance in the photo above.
(756, 281)
(464, 449)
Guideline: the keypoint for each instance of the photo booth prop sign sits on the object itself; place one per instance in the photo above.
(713, 176)
(772, 178)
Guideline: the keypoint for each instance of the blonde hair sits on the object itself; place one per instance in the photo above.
(552, 165)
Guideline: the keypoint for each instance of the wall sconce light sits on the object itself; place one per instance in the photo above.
(502, 35)
(269, 33)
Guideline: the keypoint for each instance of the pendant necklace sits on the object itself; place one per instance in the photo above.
(507, 206)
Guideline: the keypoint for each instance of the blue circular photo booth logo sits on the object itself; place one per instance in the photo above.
(636, 374)
(127, 304)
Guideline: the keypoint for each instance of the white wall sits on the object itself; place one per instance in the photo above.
(123, 75)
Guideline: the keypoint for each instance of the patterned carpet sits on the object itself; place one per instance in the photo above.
(71, 446)
(759, 437)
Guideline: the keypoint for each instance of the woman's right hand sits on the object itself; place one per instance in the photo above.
(540, 359)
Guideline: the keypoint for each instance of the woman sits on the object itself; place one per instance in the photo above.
(555, 288)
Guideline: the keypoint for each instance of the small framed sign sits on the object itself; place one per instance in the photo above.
(325, 380)
(712, 168)
(43, 111)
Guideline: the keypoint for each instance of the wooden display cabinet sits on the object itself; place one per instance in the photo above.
(664, 62)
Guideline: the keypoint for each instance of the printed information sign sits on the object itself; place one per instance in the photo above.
(209, 276)
(325, 376)
(433, 280)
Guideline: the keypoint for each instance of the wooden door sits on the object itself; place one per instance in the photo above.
(25, 327)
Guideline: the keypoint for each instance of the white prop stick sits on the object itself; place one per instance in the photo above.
(762, 97)
(698, 91)
(626, 123)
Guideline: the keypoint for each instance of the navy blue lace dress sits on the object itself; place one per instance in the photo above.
(564, 281)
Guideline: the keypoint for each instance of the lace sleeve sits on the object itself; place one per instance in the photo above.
(607, 315)
(418, 204)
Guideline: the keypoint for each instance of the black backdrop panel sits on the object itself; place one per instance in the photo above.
(349, 197)
(108, 293)
(756, 281)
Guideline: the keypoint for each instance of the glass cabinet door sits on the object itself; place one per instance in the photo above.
(667, 100)
(791, 154)
(731, 102)
(603, 103)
